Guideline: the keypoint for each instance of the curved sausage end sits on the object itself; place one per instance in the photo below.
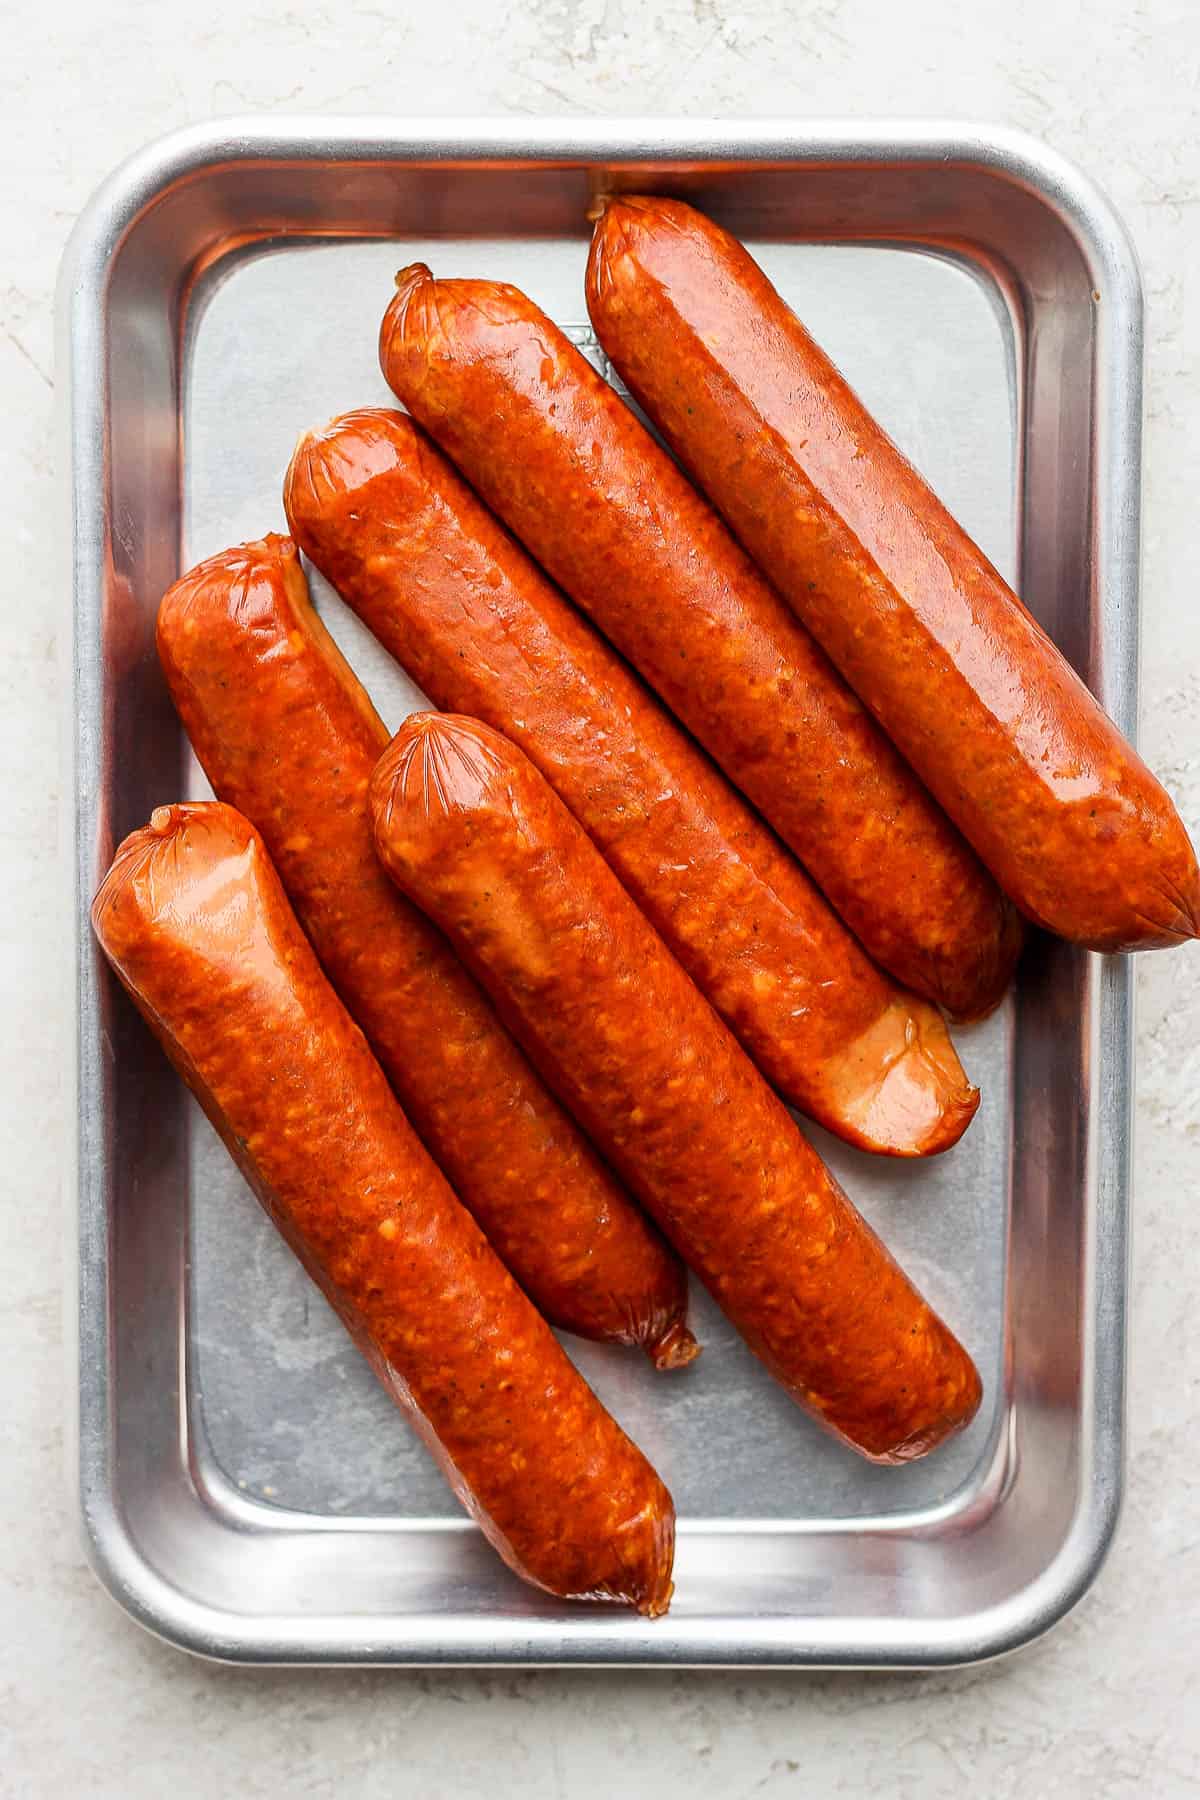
(436, 765)
(414, 286)
(228, 583)
(329, 463)
(900, 1086)
(922, 1442)
(984, 987)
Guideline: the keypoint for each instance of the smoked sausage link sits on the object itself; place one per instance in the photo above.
(408, 545)
(193, 919)
(286, 734)
(476, 836)
(556, 452)
(959, 674)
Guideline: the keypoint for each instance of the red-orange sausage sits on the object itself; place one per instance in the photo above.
(194, 921)
(286, 734)
(991, 716)
(559, 456)
(478, 838)
(449, 593)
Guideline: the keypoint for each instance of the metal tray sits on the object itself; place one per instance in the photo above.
(246, 1490)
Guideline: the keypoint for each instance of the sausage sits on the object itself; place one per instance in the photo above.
(194, 921)
(447, 591)
(478, 838)
(977, 697)
(286, 734)
(557, 454)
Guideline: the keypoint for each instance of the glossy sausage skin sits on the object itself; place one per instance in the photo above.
(959, 674)
(578, 479)
(286, 734)
(448, 592)
(193, 919)
(476, 836)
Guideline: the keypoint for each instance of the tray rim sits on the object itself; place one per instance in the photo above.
(1108, 252)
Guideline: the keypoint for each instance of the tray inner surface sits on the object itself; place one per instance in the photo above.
(279, 338)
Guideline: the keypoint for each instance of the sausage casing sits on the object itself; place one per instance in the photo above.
(193, 919)
(286, 734)
(407, 544)
(956, 670)
(558, 455)
(476, 836)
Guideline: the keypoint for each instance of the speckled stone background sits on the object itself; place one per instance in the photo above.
(1109, 1705)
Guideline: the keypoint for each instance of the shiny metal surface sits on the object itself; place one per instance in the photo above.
(246, 1491)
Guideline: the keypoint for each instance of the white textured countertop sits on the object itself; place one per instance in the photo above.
(1109, 1705)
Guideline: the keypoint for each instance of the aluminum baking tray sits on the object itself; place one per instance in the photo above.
(246, 1490)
